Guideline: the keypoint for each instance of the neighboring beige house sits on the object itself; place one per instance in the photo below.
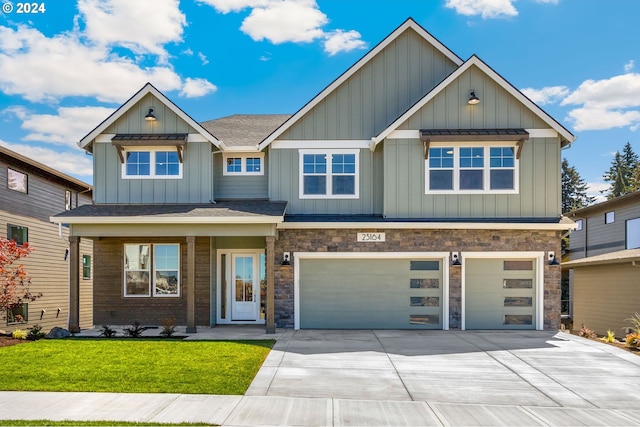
(30, 193)
(603, 267)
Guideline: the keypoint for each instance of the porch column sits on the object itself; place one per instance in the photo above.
(270, 259)
(191, 284)
(74, 283)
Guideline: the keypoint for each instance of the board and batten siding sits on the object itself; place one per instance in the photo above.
(604, 296)
(239, 186)
(404, 186)
(284, 182)
(195, 186)
(377, 94)
(49, 272)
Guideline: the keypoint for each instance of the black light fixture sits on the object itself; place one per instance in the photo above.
(150, 117)
(473, 99)
(286, 260)
(455, 259)
(552, 258)
(42, 312)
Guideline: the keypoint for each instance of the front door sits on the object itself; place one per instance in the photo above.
(245, 287)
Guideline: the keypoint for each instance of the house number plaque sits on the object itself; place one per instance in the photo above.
(371, 237)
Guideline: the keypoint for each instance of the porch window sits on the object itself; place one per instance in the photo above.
(151, 163)
(148, 266)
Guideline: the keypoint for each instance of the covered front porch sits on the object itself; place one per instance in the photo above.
(198, 264)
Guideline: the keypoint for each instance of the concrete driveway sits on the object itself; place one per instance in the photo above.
(448, 368)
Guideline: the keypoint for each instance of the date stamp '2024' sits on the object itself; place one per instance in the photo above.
(23, 8)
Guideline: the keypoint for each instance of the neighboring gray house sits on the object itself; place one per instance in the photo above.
(416, 191)
(30, 193)
(602, 264)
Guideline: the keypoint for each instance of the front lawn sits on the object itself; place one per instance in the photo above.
(133, 366)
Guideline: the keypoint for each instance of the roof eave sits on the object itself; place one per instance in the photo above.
(102, 220)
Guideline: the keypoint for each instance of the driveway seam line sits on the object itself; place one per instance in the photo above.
(394, 366)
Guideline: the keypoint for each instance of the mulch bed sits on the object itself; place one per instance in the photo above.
(7, 341)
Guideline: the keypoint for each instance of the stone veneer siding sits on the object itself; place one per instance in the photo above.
(344, 240)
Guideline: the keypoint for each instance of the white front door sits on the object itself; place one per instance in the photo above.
(245, 287)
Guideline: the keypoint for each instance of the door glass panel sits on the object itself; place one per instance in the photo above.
(244, 279)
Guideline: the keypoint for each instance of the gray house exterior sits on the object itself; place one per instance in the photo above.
(390, 200)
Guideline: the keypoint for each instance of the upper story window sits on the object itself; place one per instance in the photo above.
(471, 169)
(245, 164)
(67, 200)
(579, 225)
(609, 217)
(152, 164)
(17, 181)
(633, 233)
(329, 174)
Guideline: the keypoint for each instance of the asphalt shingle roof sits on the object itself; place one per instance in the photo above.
(242, 130)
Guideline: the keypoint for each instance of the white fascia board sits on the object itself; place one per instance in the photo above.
(241, 149)
(474, 60)
(321, 144)
(409, 23)
(108, 137)
(415, 133)
(146, 89)
(167, 220)
(424, 226)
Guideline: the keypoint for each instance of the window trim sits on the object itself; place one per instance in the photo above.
(151, 290)
(152, 163)
(329, 174)
(25, 181)
(486, 169)
(610, 217)
(243, 163)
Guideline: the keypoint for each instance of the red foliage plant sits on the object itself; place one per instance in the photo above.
(14, 279)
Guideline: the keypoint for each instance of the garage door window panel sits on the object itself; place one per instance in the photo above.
(424, 284)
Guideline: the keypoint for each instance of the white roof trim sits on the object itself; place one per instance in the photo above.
(262, 219)
(426, 225)
(474, 60)
(409, 23)
(146, 89)
(321, 144)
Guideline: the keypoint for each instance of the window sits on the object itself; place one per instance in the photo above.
(67, 200)
(18, 234)
(86, 267)
(609, 217)
(151, 164)
(329, 174)
(18, 313)
(243, 164)
(633, 233)
(471, 169)
(148, 266)
(579, 225)
(17, 181)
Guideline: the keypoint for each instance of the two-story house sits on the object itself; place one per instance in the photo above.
(602, 267)
(30, 193)
(416, 191)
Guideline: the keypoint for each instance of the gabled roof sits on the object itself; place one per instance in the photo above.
(474, 60)
(627, 198)
(618, 257)
(409, 23)
(244, 130)
(146, 89)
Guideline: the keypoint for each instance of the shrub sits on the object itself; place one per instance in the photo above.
(19, 334)
(35, 333)
(135, 331)
(635, 322)
(611, 337)
(586, 332)
(633, 340)
(168, 327)
(107, 332)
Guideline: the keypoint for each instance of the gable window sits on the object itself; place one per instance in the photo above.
(471, 169)
(18, 234)
(250, 164)
(151, 164)
(329, 174)
(609, 217)
(17, 181)
(150, 267)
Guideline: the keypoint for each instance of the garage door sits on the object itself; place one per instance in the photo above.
(500, 294)
(371, 293)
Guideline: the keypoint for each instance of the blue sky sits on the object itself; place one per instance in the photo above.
(65, 69)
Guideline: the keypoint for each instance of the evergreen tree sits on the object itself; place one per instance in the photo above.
(574, 189)
(622, 175)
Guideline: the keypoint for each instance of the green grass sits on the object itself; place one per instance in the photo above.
(133, 366)
(87, 423)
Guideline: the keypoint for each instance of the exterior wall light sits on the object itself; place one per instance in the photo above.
(455, 259)
(286, 259)
(150, 117)
(473, 99)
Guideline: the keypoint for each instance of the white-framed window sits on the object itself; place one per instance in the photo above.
(243, 164)
(579, 225)
(471, 168)
(158, 163)
(17, 181)
(329, 174)
(633, 233)
(152, 269)
(609, 217)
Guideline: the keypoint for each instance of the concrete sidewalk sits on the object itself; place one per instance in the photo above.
(389, 378)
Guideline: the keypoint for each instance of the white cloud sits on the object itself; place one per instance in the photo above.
(66, 128)
(606, 103)
(628, 67)
(203, 58)
(343, 41)
(546, 95)
(197, 87)
(74, 162)
(226, 6)
(484, 8)
(595, 189)
(46, 69)
(548, 1)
